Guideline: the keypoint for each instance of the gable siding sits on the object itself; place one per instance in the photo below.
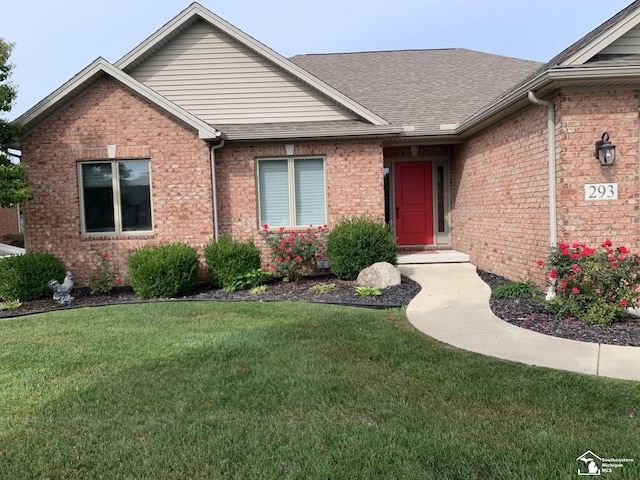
(221, 81)
(625, 45)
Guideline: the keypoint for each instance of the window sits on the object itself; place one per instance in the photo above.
(291, 192)
(115, 196)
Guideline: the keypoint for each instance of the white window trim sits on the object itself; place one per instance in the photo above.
(117, 208)
(292, 188)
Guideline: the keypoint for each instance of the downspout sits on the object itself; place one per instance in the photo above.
(551, 132)
(214, 190)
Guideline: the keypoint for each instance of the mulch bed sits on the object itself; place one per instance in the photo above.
(531, 314)
(344, 293)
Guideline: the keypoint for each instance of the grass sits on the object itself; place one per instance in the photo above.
(288, 391)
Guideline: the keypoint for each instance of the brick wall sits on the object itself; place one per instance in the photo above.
(8, 222)
(354, 182)
(582, 118)
(500, 200)
(109, 114)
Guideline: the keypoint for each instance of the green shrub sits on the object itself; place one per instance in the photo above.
(164, 271)
(26, 277)
(357, 243)
(247, 280)
(229, 260)
(365, 291)
(516, 290)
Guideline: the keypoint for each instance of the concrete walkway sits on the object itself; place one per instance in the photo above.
(453, 307)
(6, 250)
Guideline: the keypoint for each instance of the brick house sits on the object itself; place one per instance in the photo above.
(201, 130)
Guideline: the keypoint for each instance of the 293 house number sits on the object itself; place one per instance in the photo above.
(601, 191)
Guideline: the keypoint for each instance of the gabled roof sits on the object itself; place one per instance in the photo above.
(432, 90)
(196, 12)
(581, 65)
(87, 77)
(439, 95)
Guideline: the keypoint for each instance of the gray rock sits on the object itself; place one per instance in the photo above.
(380, 275)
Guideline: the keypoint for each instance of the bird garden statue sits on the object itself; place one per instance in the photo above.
(62, 291)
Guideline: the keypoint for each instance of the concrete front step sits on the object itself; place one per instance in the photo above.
(432, 256)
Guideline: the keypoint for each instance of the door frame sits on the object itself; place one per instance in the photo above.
(441, 178)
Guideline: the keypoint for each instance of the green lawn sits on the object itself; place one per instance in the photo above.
(278, 391)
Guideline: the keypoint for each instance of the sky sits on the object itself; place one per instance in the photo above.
(54, 40)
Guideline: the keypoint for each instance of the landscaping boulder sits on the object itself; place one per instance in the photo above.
(380, 275)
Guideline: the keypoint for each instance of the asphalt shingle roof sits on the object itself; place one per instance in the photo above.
(422, 88)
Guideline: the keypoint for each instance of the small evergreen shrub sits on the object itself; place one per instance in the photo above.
(26, 277)
(163, 271)
(230, 260)
(357, 243)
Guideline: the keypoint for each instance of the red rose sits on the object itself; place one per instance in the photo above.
(624, 303)
(553, 273)
(575, 291)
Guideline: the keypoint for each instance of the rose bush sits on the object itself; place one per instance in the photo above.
(293, 253)
(105, 277)
(593, 284)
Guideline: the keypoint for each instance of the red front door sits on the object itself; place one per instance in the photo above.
(414, 203)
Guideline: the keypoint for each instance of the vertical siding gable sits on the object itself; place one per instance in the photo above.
(629, 43)
(221, 81)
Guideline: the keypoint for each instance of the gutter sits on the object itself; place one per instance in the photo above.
(303, 134)
(214, 190)
(551, 133)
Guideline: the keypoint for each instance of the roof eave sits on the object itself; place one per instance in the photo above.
(316, 134)
(41, 111)
(610, 35)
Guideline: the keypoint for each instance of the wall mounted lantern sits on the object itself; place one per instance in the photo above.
(605, 151)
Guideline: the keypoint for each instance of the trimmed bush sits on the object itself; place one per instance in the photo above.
(164, 271)
(26, 277)
(230, 259)
(357, 243)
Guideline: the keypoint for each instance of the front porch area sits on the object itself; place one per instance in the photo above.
(432, 256)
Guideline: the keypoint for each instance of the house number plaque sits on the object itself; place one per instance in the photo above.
(601, 191)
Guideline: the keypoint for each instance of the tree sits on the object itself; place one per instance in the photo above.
(13, 183)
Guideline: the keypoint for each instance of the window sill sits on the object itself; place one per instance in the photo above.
(92, 237)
